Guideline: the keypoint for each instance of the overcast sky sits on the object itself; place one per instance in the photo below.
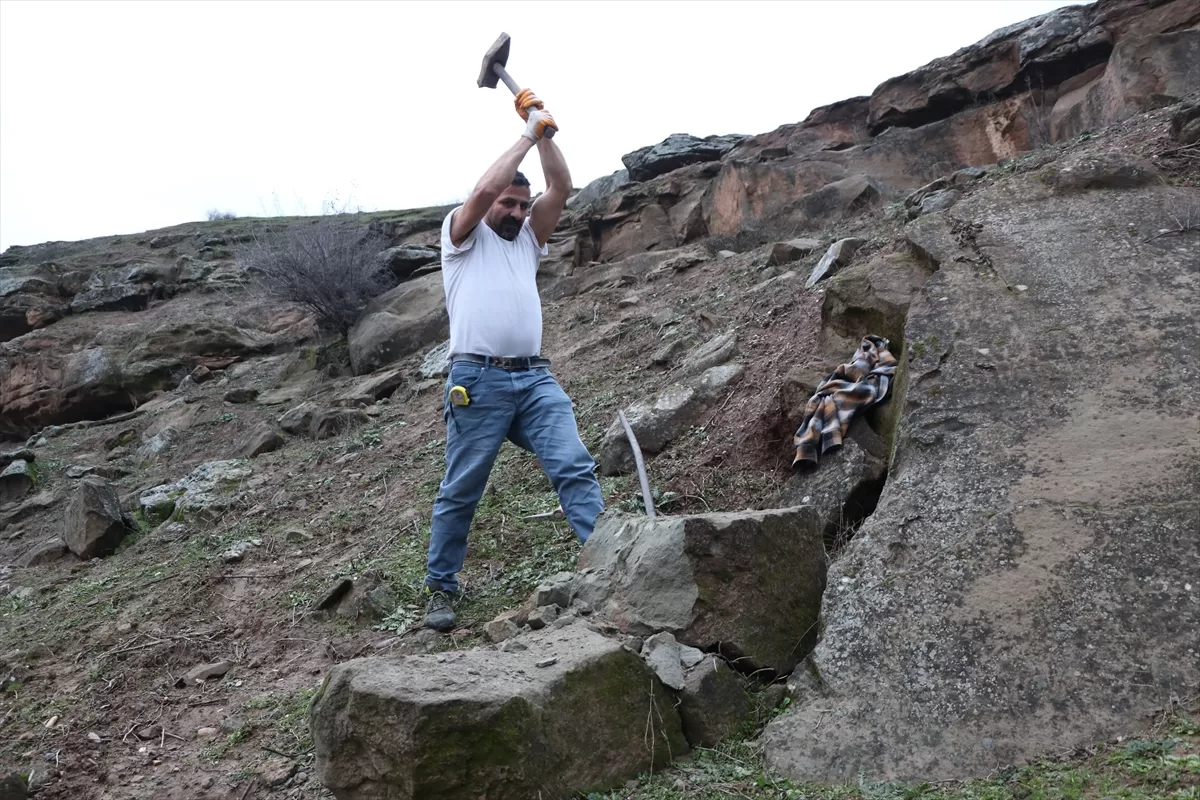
(123, 117)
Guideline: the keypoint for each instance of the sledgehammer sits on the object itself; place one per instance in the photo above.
(493, 68)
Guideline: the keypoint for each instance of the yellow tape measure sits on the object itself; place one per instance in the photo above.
(459, 397)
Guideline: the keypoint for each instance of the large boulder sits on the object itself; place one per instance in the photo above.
(1185, 122)
(713, 353)
(207, 491)
(571, 712)
(845, 487)
(92, 525)
(677, 150)
(16, 480)
(1027, 582)
(836, 257)
(1111, 170)
(398, 323)
(746, 584)
(658, 422)
(871, 298)
(263, 438)
(404, 260)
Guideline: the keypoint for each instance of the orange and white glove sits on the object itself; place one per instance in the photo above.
(526, 100)
(538, 123)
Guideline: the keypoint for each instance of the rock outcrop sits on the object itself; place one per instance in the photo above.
(55, 375)
(1040, 81)
(1017, 591)
(677, 150)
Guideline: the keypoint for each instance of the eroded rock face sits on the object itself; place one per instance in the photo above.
(565, 715)
(1040, 52)
(1142, 73)
(746, 583)
(52, 376)
(1023, 585)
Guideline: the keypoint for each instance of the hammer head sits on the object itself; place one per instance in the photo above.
(496, 54)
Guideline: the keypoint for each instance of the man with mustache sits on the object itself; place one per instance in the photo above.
(499, 387)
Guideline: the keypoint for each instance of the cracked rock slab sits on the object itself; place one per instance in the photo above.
(493, 722)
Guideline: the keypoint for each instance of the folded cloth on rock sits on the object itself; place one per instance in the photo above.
(852, 387)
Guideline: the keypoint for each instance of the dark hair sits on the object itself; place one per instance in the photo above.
(520, 180)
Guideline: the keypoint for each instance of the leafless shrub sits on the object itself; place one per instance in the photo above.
(216, 214)
(747, 238)
(1184, 215)
(330, 269)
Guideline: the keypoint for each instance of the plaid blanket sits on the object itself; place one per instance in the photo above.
(852, 387)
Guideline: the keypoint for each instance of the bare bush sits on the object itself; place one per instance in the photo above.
(330, 269)
(748, 237)
(1183, 214)
(215, 214)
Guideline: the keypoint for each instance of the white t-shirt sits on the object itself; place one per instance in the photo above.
(491, 292)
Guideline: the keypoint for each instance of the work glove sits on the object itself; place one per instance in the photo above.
(539, 122)
(526, 100)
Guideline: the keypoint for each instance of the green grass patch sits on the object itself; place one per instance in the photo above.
(1158, 768)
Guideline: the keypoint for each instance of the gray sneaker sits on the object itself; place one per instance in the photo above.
(439, 610)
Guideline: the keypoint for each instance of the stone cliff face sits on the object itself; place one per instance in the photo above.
(999, 562)
(1041, 81)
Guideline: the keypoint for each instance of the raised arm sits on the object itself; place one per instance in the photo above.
(494, 181)
(499, 176)
(548, 208)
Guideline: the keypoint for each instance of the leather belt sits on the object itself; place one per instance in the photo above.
(530, 362)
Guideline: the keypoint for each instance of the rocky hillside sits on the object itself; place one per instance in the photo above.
(213, 516)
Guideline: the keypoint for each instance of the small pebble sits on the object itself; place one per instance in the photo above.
(207, 733)
(547, 662)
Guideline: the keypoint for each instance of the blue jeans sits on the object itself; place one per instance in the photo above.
(531, 410)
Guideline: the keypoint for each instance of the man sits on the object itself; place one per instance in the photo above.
(499, 387)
